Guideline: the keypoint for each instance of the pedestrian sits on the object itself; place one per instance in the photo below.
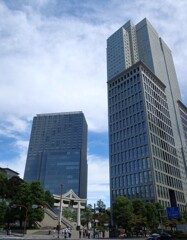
(84, 233)
(80, 233)
(63, 233)
(69, 232)
(89, 233)
(54, 233)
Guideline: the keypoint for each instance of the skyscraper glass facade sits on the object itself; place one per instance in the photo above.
(58, 152)
(146, 125)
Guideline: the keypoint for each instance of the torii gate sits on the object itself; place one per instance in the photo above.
(69, 199)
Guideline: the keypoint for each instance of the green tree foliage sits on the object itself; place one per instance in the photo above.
(104, 218)
(123, 212)
(100, 204)
(139, 215)
(3, 185)
(184, 217)
(49, 199)
(70, 214)
(13, 186)
(25, 197)
(152, 215)
(20, 203)
(3, 208)
(86, 215)
(37, 196)
(139, 207)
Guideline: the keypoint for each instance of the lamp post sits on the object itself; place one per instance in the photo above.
(26, 214)
(161, 222)
(94, 220)
(60, 212)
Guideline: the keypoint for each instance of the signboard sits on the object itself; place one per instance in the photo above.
(173, 212)
(34, 206)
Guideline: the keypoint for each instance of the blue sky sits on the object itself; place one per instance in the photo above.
(53, 59)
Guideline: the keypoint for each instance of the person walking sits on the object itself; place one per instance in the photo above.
(54, 233)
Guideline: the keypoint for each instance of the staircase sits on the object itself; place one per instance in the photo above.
(50, 220)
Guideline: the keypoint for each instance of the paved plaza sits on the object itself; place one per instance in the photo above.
(44, 235)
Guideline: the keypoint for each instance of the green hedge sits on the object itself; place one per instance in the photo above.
(179, 235)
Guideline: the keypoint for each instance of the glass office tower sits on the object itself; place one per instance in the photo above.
(147, 119)
(57, 152)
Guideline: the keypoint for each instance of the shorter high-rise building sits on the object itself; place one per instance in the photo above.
(57, 152)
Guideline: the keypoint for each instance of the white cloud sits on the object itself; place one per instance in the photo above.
(18, 162)
(98, 179)
(53, 67)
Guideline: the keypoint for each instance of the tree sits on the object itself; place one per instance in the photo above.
(184, 217)
(20, 203)
(37, 196)
(152, 215)
(123, 212)
(27, 195)
(87, 215)
(3, 184)
(104, 218)
(49, 199)
(70, 214)
(13, 186)
(100, 205)
(3, 208)
(139, 216)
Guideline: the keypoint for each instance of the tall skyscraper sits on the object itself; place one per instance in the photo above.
(57, 152)
(147, 119)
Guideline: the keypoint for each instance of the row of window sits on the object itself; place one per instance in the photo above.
(183, 117)
(132, 166)
(160, 153)
(127, 121)
(159, 132)
(123, 95)
(165, 167)
(134, 141)
(157, 141)
(164, 193)
(184, 123)
(159, 104)
(166, 204)
(129, 131)
(121, 105)
(155, 98)
(138, 192)
(132, 120)
(132, 179)
(133, 153)
(164, 145)
(127, 79)
(151, 84)
(127, 107)
(168, 180)
(162, 121)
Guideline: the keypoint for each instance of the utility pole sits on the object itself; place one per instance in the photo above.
(94, 220)
(161, 222)
(60, 212)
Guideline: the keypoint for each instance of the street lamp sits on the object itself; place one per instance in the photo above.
(161, 222)
(60, 212)
(26, 214)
